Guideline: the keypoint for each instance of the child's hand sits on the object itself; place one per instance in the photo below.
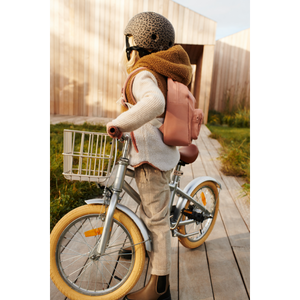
(113, 131)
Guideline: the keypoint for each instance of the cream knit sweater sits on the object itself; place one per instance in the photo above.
(148, 139)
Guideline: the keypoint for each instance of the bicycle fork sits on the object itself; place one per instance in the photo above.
(117, 188)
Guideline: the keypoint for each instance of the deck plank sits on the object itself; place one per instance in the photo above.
(194, 278)
(245, 258)
(225, 276)
(239, 237)
(242, 201)
(236, 229)
(55, 293)
(174, 268)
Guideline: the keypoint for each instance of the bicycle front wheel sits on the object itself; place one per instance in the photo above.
(79, 275)
(207, 195)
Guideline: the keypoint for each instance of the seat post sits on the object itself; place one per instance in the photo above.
(177, 173)
(174, 184)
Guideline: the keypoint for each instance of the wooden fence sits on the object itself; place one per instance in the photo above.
(86, 43)
(230, 86)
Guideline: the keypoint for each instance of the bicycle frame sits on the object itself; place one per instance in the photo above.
(121, 184)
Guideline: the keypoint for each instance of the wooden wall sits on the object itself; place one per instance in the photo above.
(86, 44)
(231, 72)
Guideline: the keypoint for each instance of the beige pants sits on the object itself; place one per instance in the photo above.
(154, 211)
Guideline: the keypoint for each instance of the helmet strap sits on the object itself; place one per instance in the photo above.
(142, 52)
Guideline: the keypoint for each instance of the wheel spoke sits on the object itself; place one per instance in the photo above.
(78, 270)
(72, 263)
(83, 238)
(209, 205)
(109, 271)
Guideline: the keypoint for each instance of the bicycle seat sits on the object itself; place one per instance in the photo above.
(188, 154)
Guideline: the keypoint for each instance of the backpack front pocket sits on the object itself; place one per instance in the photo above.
(196, 123)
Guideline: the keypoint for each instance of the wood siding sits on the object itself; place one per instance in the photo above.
(230, 85)
(86, 45)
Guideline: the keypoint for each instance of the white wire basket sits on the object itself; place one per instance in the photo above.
(88, 156)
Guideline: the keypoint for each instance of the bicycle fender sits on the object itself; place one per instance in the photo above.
(138, 222)
(190, 187)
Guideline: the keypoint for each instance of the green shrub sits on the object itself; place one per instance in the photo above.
(214, 117)
(239, 118)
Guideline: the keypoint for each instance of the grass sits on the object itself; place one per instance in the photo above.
(235, 154)
(66, 195)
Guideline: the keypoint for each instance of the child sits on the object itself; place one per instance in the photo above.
(150, 43)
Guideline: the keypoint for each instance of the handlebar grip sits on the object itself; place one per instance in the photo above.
(114, 131)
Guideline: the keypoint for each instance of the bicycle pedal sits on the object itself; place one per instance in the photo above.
(193, 215)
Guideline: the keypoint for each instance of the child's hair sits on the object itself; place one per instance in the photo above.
(134, 56)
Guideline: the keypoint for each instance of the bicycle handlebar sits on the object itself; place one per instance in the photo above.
(114, 132)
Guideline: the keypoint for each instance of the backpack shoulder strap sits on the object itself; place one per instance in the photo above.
(124, 99)
(155, 123)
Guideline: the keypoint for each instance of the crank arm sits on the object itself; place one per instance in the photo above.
(198, 205)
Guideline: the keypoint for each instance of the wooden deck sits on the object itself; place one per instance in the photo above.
(220, 268)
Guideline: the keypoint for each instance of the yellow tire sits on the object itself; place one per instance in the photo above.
(79, 276)
(211, 202)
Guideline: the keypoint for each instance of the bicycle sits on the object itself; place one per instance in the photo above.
(86, 257)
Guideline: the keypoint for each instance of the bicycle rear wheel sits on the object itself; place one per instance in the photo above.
(80, 276)
(207, 194)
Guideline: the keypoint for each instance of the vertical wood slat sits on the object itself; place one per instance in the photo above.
(86, 57)
(86, 39)
(206, 30)
(111, 58)
(249, 91)
(80, 58)
(242, 54)
(52, 58)
(95, 63)
(145, 5)
(233, 65)
(213, 83)
(185, 21)
(91, 83)
(76, 57)
(206, 75)
(119, 38)
(231, 78)
(218, 58)
(201, 31)
(190, 26)
(66, 45)
(175, 20)
(71, 58)
(180, 33)
(61, 57)
(223, 75)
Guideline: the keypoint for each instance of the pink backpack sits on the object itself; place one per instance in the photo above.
(182, 121)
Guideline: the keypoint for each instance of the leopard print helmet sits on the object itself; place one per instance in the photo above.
(151, 31)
